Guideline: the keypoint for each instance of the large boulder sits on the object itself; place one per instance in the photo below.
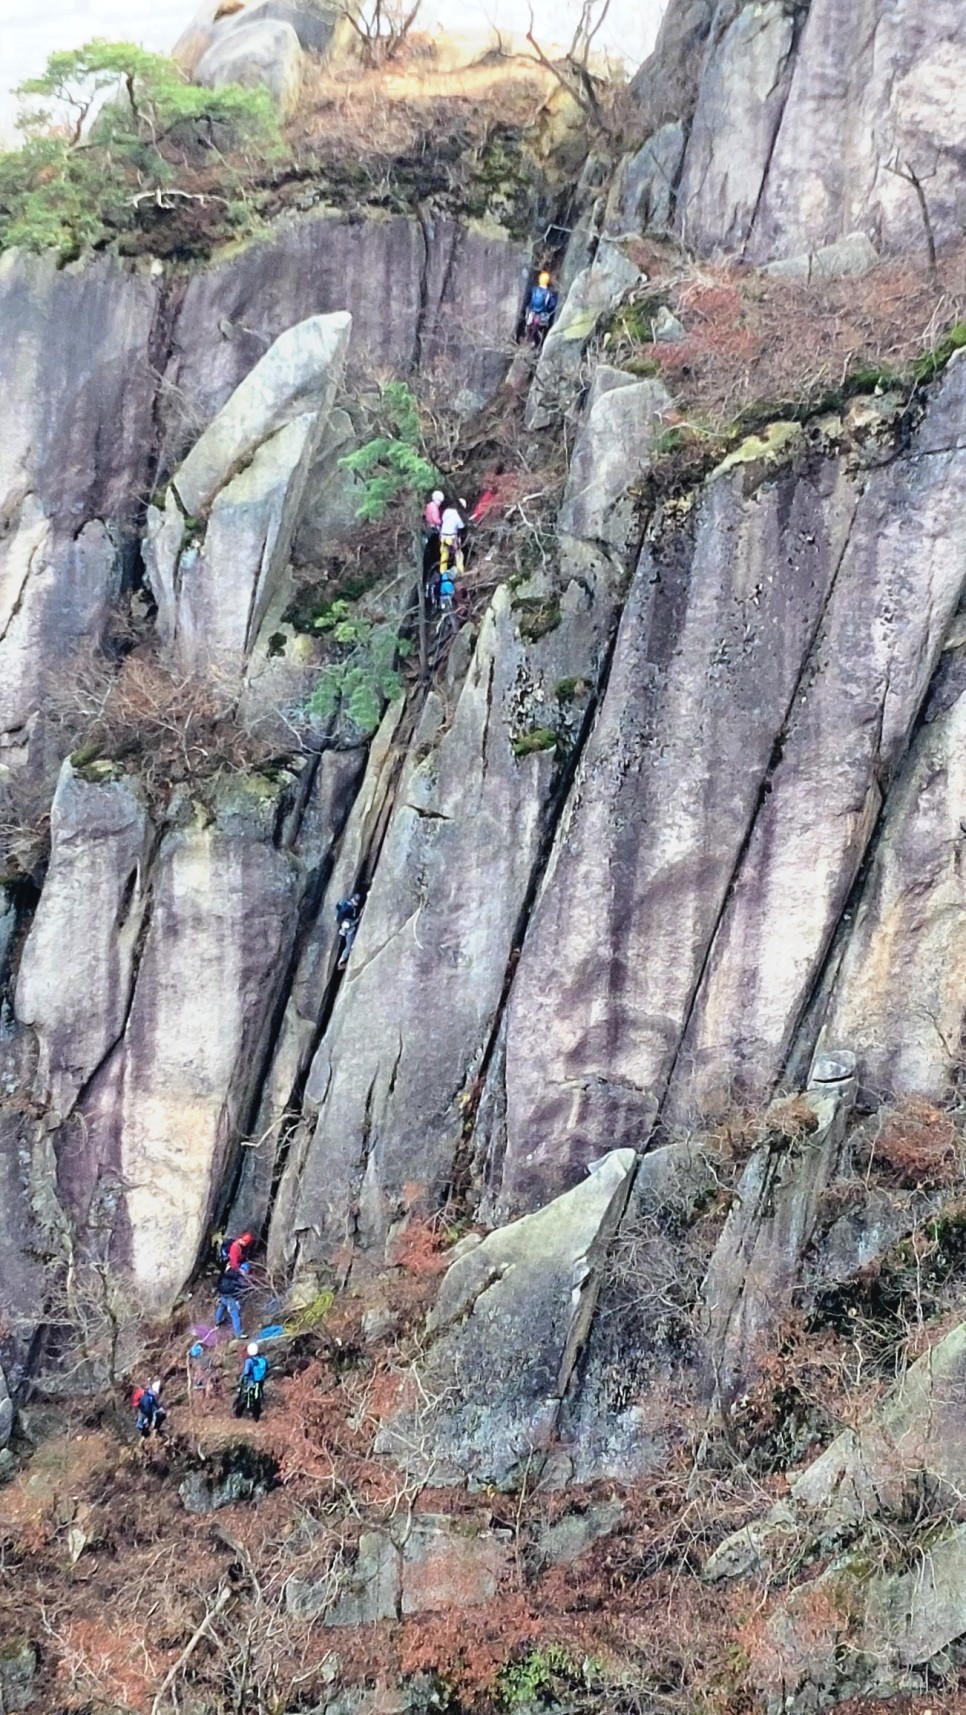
(296, 377)
(507, 1328)
(261, 55)
(316, 23)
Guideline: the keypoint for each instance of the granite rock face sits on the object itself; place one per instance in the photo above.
(439, 926)
(804, 124)
(73, 461)
(773, 656)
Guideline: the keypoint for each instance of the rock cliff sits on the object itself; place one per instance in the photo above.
(652, 1029)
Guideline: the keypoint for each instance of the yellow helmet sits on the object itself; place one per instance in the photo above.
(543, 279)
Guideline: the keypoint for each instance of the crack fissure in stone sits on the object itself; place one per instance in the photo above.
(764, 788)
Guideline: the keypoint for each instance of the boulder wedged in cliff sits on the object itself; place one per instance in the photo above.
(440, 296)
(510, 1319)
(413, 1015)
(775, 650)
(247, 475)
(144, 1154)
(296, 377)
(87, 923)
(262, 54)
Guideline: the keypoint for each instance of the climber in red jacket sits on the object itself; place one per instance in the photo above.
(238, 1250)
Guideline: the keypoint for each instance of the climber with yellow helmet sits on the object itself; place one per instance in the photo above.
(541, 308)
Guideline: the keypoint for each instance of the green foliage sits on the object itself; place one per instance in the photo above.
(539, 1677)
(393, 463)
(91, 169)
(568, 690)
(929, 365)
(541, 738)
(364, 676)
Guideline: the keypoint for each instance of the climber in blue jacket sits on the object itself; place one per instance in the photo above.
(541, 309)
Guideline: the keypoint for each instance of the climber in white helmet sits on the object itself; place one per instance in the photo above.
(252, 1383)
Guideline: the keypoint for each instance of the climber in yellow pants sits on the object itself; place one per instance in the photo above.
(451, 539)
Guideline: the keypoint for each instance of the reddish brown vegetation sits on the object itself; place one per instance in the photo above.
(757, 343)
(918, 1145)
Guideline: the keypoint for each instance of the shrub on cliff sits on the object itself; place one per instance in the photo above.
(125, 144)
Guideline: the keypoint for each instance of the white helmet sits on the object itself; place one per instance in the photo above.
(253, 1349)
(438, 496)
(156, 1385)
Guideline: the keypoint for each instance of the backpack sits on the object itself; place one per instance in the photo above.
(259, 1369)
(137, 1397)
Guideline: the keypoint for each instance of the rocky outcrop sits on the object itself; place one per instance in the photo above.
(509, 1322)
(597, 289)
(906, 1461)
(759, 1260)
(623, 420)
(424, 1565)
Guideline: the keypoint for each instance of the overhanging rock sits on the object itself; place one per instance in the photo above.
(512, 1315)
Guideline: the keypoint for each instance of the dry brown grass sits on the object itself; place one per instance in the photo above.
(754, 344)
(171, 726)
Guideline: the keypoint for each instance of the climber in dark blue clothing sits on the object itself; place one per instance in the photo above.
(541, 309)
